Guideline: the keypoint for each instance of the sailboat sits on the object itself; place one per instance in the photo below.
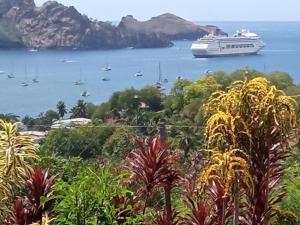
(10, 76)
(138, 74)
(85, 94)
(105, 79)
(158, 83)
(107, 68)
(79, 82)
(35, 79)
(25, 83)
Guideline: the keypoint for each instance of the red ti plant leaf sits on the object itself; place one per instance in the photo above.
(201, 212)
(127, 206)
(29, 208)
(268, 170)
(152, 166)
(162, 218)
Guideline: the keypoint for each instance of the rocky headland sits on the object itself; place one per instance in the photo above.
(53, 25)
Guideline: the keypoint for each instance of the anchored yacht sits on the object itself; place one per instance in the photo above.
(243, 42)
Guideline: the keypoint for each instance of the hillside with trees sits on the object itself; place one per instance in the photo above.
(221, 149)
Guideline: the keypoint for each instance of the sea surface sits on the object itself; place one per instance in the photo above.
(57, 70)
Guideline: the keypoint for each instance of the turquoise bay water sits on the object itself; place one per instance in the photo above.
(57, 78)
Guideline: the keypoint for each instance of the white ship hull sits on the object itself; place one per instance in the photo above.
(227, 46)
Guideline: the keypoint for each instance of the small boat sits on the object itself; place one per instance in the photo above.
(24, 84)
(35, 80)
(10, 76)
(105, 79)
(1, 71)
(179, 77)
(85, 94)
(159, 82)
(67, 61)
(107, 68)
(138, 74)
(208, 72)
(165, 81)
(78, 82)
(33, 50)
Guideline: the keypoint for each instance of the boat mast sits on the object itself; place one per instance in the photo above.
(160, 74)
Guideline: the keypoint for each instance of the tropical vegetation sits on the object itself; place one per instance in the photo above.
(222, 149)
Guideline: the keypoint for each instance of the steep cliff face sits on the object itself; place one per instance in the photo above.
(54, 25)
(15, 5)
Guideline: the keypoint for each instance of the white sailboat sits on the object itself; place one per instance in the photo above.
(11, 74)
(158, 83)
(107, 68)
(138, 74)
(85, 94)
(79, 82)
(25, 82)
(105, 79)
(35, 80)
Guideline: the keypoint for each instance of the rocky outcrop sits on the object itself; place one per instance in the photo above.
(169, 25)
(54, 25)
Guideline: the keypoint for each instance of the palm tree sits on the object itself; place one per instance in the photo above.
(61, 109)
(16, 154)
(80, 110)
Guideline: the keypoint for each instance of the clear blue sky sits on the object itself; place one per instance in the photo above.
(197, 10)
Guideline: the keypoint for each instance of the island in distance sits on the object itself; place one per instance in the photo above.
(53, 25)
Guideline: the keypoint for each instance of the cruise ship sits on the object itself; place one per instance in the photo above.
(243, 42)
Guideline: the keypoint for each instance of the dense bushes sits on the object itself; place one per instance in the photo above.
(86, 142)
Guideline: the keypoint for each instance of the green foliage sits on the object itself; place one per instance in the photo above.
(101, 113)
(90, 198)
(125, 100)
(193, 109)
(292, 181)
(79, 110)
(175, 101)
(17, 152)
(66, 167)
(90, 109)
(201, 88)
(280, 79)
(86, 142)
(61, 109)
(119, 143)
(43, 122)
(9, 118)
(152, 97)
